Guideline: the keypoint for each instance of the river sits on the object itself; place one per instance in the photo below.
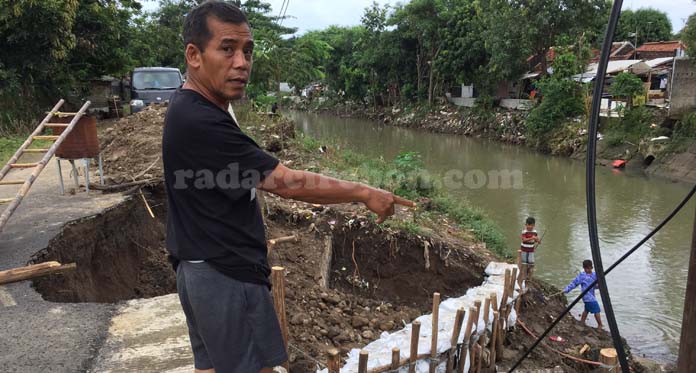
(647, 289)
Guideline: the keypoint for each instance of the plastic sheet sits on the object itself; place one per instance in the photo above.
(380, 350)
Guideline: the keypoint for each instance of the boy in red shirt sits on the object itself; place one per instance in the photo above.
(530, 239)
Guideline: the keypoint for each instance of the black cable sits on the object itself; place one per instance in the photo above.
(591, 185)
(587, 290)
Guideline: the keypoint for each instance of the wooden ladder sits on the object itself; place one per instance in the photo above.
(38, 166)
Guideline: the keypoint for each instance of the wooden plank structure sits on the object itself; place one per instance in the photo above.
(35, 270)
(38, 166)
(278, 281)
(476, 344)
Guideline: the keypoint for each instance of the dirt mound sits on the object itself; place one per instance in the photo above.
(132, 146)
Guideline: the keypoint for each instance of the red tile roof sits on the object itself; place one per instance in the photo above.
(661, 46)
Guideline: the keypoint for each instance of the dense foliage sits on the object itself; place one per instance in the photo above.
(412, 51)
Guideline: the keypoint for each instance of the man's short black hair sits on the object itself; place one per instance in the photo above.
(196, 30)
(586, 263)
(531, 220)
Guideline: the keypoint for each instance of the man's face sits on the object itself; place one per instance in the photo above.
(225, 65)
(530, 227)
(588, 270)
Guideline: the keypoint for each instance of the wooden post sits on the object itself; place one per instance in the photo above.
(494, 301)
(415, 333)
(503, 299)
(501, 333)
(519, 258)
(494, 340)
(467, 336)
(687, 345)
(362, 362)
(396, 358)
(608, 356)
(333, 361)
(435, 326)
(455, 337)
(33, 271)
(278, 281)
(486, 309)
(477, 313)
(513, 280)
(479, 353)
(523, 276)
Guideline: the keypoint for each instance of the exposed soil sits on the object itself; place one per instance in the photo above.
(119, 253)
(347, 280)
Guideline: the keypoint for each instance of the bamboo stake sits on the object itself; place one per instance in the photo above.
(396, 358)
(467, 336)
(501, 333)
(479, 353)
(513, 280)
(503, 299)
(278, 281)
(415, 333)
(494, 340)
(486, 309)
(455, 337)
(477, 312)
(333, 362)
(362, 362)
(33, 271)
(494, 301)
(435, 326)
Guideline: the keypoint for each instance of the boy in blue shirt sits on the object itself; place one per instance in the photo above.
(585, 279)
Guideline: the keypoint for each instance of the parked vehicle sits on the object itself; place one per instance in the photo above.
(153, 85)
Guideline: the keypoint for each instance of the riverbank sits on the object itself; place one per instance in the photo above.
(377, 277)
(637, 138)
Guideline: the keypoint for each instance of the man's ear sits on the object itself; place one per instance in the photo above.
(193, 56)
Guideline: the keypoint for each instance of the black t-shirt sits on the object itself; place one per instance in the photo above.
(211, 169)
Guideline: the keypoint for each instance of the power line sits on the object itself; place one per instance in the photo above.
(612, 267)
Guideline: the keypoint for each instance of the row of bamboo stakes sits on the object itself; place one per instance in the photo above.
(483, 352)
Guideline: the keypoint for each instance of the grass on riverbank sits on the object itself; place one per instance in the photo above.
(405, 176)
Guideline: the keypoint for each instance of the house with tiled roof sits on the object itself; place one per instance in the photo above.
(660, 49)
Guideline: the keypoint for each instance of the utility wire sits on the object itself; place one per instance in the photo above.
(587, 290)
(591, 185)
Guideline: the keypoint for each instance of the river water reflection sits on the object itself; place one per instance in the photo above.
(647, 289)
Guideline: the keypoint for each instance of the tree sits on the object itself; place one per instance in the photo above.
(561, 99)
(423, 21)
(649, 23)
(627, 85)
(688, 35)
(464, 57)
(517, 29)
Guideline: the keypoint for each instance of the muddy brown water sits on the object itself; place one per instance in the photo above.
(512, 182)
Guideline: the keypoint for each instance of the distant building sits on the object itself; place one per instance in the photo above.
(660, 49)
(620, 50)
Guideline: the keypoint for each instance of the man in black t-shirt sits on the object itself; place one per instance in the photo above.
(215, 231)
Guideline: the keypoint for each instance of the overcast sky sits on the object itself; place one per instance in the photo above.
(319, 14)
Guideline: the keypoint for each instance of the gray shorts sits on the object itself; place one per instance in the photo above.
(232, 325)
(528, 258)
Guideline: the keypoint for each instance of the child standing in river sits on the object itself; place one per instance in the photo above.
(585, 279)
(530, 239)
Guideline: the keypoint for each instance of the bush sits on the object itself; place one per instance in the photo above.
(686, 127)
(561, 100)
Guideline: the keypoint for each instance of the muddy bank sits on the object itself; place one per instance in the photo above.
(508, 126)
(347, 279)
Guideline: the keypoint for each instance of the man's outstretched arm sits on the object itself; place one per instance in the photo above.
(315, 188)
